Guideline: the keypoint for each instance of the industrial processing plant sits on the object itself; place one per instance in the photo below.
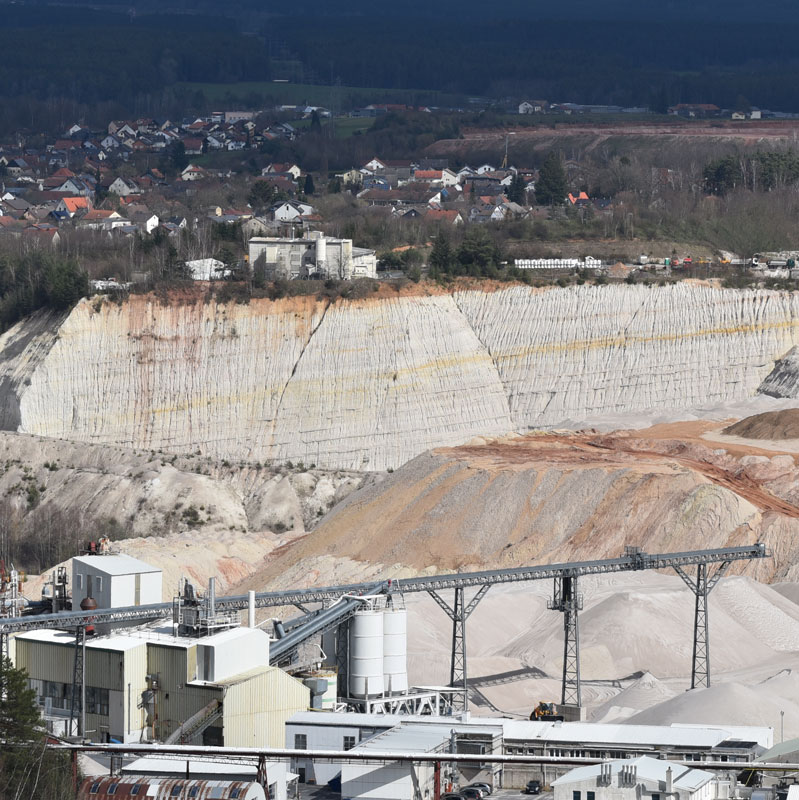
(324, 696)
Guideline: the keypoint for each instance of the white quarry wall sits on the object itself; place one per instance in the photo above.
(586, 350)
(187, 377)
(369, 384)
(381, 381)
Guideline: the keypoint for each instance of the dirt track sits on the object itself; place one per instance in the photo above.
(747, 133)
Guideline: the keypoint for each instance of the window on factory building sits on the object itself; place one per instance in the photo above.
(176, 789)
(349, 742)
(96, 701)
(655, 795)
(80, 580)
(193, 791)
(135, 789)
(95, 788)
(576, 795)
(234, 793)
(592, 795)
(300, 741)
(112, 789)
(60, 694)
(99, 583)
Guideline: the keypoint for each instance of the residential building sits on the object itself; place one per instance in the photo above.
(315, 256)
(123, 187)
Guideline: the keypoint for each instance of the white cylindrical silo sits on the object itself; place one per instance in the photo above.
(395, 650)
(366, 654)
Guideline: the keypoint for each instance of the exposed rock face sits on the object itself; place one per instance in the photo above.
(783, 380)
(369, 384)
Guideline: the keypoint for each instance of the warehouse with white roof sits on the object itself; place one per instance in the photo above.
(637, 778)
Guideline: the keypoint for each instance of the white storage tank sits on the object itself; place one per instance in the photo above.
(395, 650)
(366, 654)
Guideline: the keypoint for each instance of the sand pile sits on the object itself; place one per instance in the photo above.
(727, 703)
(631, 624)
(772, 425)
(645, 692)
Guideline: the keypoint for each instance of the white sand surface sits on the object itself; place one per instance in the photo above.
(630, 624)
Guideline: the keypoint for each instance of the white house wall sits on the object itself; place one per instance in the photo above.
(387, 781)
(324, 737)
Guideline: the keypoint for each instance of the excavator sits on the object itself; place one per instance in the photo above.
(546, 712)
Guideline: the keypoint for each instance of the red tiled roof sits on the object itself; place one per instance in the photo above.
(427, 174)
(440, 213)
(74, 203)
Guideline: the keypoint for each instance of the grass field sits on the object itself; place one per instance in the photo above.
(255, 93)
(345, 126)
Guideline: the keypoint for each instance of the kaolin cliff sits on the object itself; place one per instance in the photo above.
(369, 384)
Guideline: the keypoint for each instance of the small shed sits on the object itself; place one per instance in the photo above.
(114, 581)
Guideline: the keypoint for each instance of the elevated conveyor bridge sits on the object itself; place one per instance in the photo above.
(340, 602)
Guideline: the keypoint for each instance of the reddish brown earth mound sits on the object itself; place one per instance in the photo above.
(773, 425)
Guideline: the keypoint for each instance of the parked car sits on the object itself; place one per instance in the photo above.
(451, 796)
(533, 787)
(483, 787)
(472, 793)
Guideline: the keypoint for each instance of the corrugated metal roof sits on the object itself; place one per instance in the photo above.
(128, 788)
(115, 643)
(487, 726)
(788, 747)
(646, 769)
(409, 739)
(578, 732)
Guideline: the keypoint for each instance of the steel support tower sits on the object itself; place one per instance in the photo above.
(78, 702)
(701, 587)
(459, 612)
(567, 600)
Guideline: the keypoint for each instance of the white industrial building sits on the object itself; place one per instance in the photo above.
(201, 679)
(316, 256)
(638, 778)
(400, 780)
(114, 581)
(208, 269)
(345, 731)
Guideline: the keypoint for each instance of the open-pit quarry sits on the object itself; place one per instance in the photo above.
(315, 441)
(369, 384)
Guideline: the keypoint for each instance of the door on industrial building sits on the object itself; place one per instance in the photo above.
(212, 737)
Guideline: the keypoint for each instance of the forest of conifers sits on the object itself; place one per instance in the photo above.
(63, 62)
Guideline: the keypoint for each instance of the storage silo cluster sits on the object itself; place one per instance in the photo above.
(378, 652)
